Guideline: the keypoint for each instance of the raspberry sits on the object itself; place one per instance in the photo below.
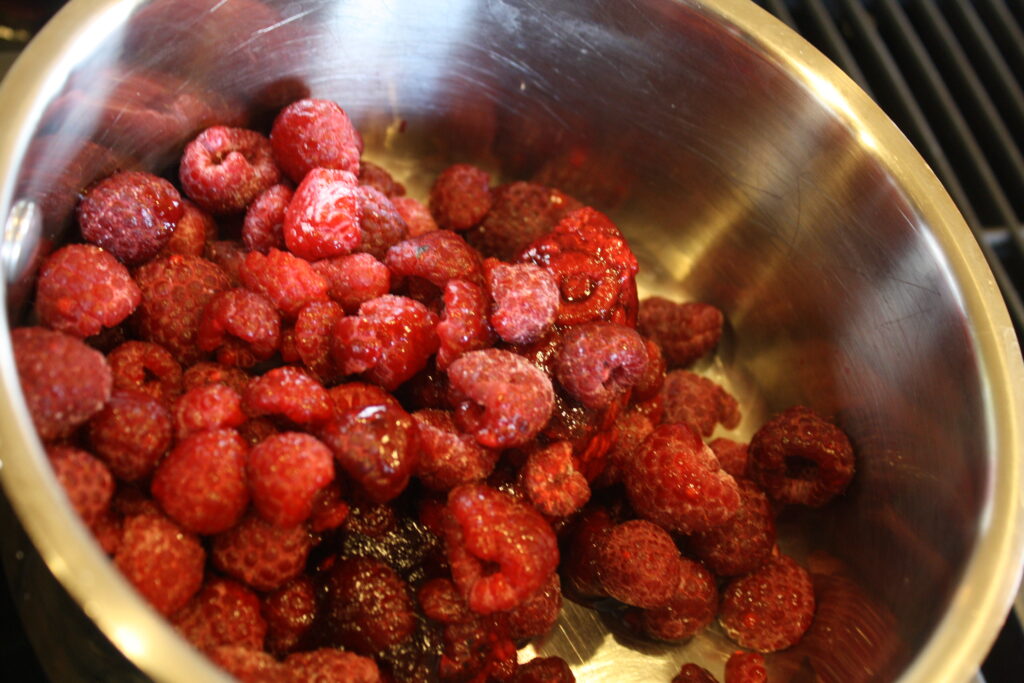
(261, 555)
(162, 561)
(288, 281)
(312, 336)
(241, 326)
(131, 434)
(427, 389)
(64, 381)
(691, 673)
(639, 564)
(354, 279)
(285, 472)
(699, 402)
(288, 392)
(329, 510)
(525, 301)
(289, 612)
(770, 608)
(263, 227)
(448, 457)
(552, 483)
(599, 362)
(201, 483)
(224, 169)
(388, 342)
(416, 216)
(381, 225)
(367, 606)
(744, 542)
(329, 664)
(194, 229)
(692, 606)
(685, 332)
(246, 665)
(208, 406)
(310, 134)
(175, 290)
(441, 601)
(324, 215)
(436, 257)
(799, 457)
(544, 670)
(650, 382)
(500, 398)
(522, 212)
(582, 560)
(593, 266)
(222, 613)
(745, 667)
(488, 527)
(229, 256)
(538, 613)
(204, 373)
(631, 428)
(463, 325)
(147, 368)
(591, 432)
(85, 479)
(83, 289)
(460, 197)
(130, 214)
(354, 396)
(377, 177)
(732, 455)
(477, 650)
(675, 480)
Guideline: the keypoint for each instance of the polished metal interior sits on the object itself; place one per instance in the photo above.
(745, 169)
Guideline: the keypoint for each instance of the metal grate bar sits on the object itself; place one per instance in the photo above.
(779, 9)
(830, 41)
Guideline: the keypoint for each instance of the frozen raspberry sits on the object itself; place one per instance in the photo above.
(692, 607)
(674, 479)
(744, 542)
(223, 169)
(552, 482)
(745, 667)
(463, 325)
(416, 216)
(691, 673)
(525, 301)
(288, 281)
(799, 457)
(285, 472)
(243, 328)
(388, 342)
(697, 401)
(377, 177)
(436, 257)
(310, 134)
(427, 389)
(194, 230)
(500, 398)
(599, 362)
(590, 431)
(208, 406)
(770, 608)
(222, 613)
(85, 479)
(330, 664)
(312, 335)
(477, 650)
(175, 290)
(83, 289)
(261, 555)
(522, 212)
(594, 268)
(639, 564)
(288, 392)
(544, 670)
(229, 256)
(201, 483)
(354, 279)
(131, 434)
(289, 612)
(354, 396)
(246, 665)
(130, 214)
(650, 382)
(582, 559)
(460, 197)
(370, 519)
(214, 373)
(323, 218)
(381, 225)
(329, 510)
(441, 601)
(147, 368)
(487, 529)
(64, 381)
(538, 614)
(732, 455)
(631, 428)
(263, 228)
(367, 606)
(161, 560)
(685, 332)
(447, 456)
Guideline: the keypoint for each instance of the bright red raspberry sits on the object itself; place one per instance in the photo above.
(201, 483)
(147, 368)
(639, 564)
(222, 613)
(381, 224)
(441, 601)
(599, 362)
(354, 396)
(243, 328)
(631, 428)
(460, 197)
(522, 212)
(194, 230)
(745, 667)
(323, 218)
(744, 542)
(674, 479)
(685, 332)
(312, 133)
(733, 455)
(329, 510)
(416, 216)
(331, 664)
(229, 256)
(436, 257)
(207, 406)
(162, 561)
(64, 381)
(691, 673)
(538, 614)
(130, 214)
(312, 335)
(525, 300)
(463, 325)
(131, 434)
(377, 177)
(289, 282)
(388, 342)
(290, 393)
(487, 527)
(263, 227)
(447, 456)
(289, 612)
(770, 608)
(175, 290)
(367, 606)
(544, 670)
(649, 384)
(261, 555)
(246, 665)
(552, 482)
(799, 457)
(692, 606)
(499, 397)
(582, 560)
(223, 169)
(285, 472)
(699, 402)
(214, 373)
(85, 479)
(83, 289)
(354, 279)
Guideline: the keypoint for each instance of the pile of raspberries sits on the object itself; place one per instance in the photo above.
(334, 433)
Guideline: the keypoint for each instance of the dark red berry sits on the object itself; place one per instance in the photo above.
(460, 197)
(290, 393)
(732, 455)
(650, 382)
(85, 479)
(289, 282)
(131, 434)
(447, 456)
(222, 613)
(441, 601)
(770, 608)
(214, 373)
(289, 612)
(691, 673)
(354, 279)
(312, 133)
(685, 332)
(463, 325)
(162, 561)
(261, 555)
(367, 606)
(285, 472)
(377, 177)
(692, 606)
(243, 328)
(246, 665)
(521, 213)
(639, 564)
(699, 402)
(263, 228)
(538, 614)
(208, 406)
(381, 225)
(194, 230)
(599, 362)
(436, 257)
(330, 664)
(147, 368)
(224, 169)
(744, 542)
(544, 670)
(745, 667)
(552, 482)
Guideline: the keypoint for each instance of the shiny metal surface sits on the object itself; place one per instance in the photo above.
(746, 170)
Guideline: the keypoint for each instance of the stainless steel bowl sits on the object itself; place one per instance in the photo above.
(746, 170)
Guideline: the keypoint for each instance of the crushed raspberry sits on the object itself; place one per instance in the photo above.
(416, 216)
(388, 342)
(261, 555)
(194, 230)
(599, 362)
(441, 601)
(290, 393)
(631, 428)
(330, 664)
(222, 613)
(478, 650)
(381, 224)
(329, 510)
(162, 561)
(201, 483)
(324, 216)
(289, 282)
(770, 608)
(692, 673)
(447, 456)
(246, 665)
(733, 455)
(650, 382)
(427, 389)
(263, 227)
(175, 290)
(312, 133)
(289, 612)
(147, 368)
(744, 542)
(639, 564)
(499, 397)
(745, 667)
(692, 606)
(377, 177)
(85, 479)
(367, 606)
(83, 289)
(207, 406)
(538, 613)
(544, 670)
(699, 402)
(131, 434)
(522, 212)
(590, 431)
(224, 169)
(460, 197)
(354, 279)
(243, 328)
(685, 332)
(285, 472)
(312, 335)
(553, 484)
(214, 373)
(64, 381)
(463, 325)
(130, 214)
(525, 300)
(436, 257)
(799, 457)
(674, 479)
(487, 527)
